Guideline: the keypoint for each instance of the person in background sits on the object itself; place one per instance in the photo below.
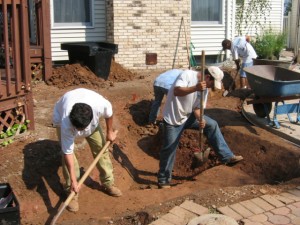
(161, 86)
(241, 48)
(77, 114)
(182, 111)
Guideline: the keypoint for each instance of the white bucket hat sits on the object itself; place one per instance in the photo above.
(217, 74)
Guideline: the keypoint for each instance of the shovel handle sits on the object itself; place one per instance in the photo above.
(80, 182)
(202, 100)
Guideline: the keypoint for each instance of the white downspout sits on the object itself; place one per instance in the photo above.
(226, 18)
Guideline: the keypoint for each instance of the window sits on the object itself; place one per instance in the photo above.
(72, 13)
(207, 11)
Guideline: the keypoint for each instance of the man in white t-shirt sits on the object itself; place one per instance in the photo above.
(240, 47)
(77, 114)
(182, 111)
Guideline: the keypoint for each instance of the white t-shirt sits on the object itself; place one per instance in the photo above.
(100, 106)
(178, 108)
(241, 48)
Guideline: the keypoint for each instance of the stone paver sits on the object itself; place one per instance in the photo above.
(291, 216)
(240, 209)
(297, 204)
(249, 222)
(229, 212)
(262, 204)
(261, 218)
(173, 219)
(295, 192)
(161, 222)
(296, 211)
(290, 196)
(273, 201)
(193, 207)
(252, 207)
(281, 209)
(296, 220)
(283, 199)
(278, 219)
(183, 213)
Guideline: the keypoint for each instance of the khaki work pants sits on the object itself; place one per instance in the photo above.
(96, 142)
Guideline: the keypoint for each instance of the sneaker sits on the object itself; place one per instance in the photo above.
(112, 190)
(164, 185)
(73, 205)
(234, 159)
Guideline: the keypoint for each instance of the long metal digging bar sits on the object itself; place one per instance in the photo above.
(80, 182)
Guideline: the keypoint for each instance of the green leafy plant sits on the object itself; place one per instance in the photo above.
(269, 44)
(9, 135)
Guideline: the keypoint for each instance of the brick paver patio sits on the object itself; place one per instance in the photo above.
(281, 209)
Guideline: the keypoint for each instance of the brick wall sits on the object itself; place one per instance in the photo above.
(140, 27)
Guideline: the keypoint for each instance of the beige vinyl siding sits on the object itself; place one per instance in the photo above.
(209, 38)
(97, 33)
(273, 20)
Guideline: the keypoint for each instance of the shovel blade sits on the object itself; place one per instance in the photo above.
(201, 157)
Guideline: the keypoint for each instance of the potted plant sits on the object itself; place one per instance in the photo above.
(268, 46)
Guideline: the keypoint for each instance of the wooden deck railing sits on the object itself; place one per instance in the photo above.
(15, 77)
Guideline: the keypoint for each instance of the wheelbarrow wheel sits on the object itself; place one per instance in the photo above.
(260, 111)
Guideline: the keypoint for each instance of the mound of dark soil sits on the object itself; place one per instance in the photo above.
(119, 74)
(77, 74)
(72, 75)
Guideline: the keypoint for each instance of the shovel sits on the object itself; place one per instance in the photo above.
(202, 155)
(80, 182)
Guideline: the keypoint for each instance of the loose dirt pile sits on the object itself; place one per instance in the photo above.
(119, 74)
(76, 74)
(72, 75)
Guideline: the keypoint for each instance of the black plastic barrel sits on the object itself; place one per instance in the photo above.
(96, 55)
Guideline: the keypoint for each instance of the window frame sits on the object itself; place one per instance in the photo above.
(211, 23)
(61, 26)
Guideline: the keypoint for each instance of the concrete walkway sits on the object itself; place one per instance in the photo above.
(282, 209)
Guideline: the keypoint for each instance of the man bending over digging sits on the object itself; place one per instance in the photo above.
(77, 114)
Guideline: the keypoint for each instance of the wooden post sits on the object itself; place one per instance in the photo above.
(46, 41)
(26, 73)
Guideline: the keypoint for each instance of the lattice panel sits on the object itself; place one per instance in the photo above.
(9, 117)
(37, 71)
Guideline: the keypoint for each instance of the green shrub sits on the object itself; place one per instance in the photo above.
(269, 44)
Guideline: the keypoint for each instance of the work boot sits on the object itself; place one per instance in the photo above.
(73, 205)
(164, 185)
(112, 190)
(234, 159)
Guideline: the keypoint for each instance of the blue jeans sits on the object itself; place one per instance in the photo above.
(242, 72)
(159, 93)
(172, 135)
